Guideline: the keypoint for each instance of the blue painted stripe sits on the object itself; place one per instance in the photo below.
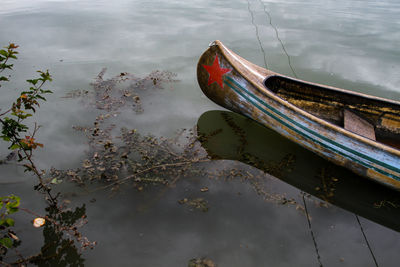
(238, 88)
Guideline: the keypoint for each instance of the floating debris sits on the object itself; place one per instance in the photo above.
(203, 262)
(38, 222)
(145, 160)
(387, 204)
(195, 203)
(326, 191)
(142, 160)
(12, 235)
(106, 95)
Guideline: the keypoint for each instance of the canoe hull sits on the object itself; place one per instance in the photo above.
(243, 91)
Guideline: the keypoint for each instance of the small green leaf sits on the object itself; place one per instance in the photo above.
(55, 181)
(12, 210)
(15, 146)
(7, 242)
(3, 53)
(6, 138)
(26, 116)
(10, 222)
(13, 204)
(33, 81)
(6, 66)
(41, 97)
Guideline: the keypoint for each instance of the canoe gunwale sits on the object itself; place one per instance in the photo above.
(234, 60)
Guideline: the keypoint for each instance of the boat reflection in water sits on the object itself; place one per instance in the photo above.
(227, 135)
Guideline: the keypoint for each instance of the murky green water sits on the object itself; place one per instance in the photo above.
(348, 44)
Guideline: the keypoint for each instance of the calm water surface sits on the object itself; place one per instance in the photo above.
(348, 44)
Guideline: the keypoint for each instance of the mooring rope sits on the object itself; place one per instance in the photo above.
(294, 73)
(366, 240)
(311, 231)
(257, 35)
(268, 15)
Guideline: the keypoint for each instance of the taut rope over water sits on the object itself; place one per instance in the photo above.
(294, 73)
(277, 37)
(258, 37)
(268, 15)
(311, 231)
(366, 241)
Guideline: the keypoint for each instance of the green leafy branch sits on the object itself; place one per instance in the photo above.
(5, 55)
(14, 131)
(13, 126)
(21, 109)
(8, 206)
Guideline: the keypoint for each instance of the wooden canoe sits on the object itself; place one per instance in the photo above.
(354, 130)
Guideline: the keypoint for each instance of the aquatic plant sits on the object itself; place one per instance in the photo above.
(130, 156)
(22, 143)
(201, 262)
(146, 161)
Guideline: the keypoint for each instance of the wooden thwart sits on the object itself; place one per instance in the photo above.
(358, 125)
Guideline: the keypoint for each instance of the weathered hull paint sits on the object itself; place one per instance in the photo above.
(243, 91)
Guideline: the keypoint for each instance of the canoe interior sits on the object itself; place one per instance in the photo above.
(332, 105)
